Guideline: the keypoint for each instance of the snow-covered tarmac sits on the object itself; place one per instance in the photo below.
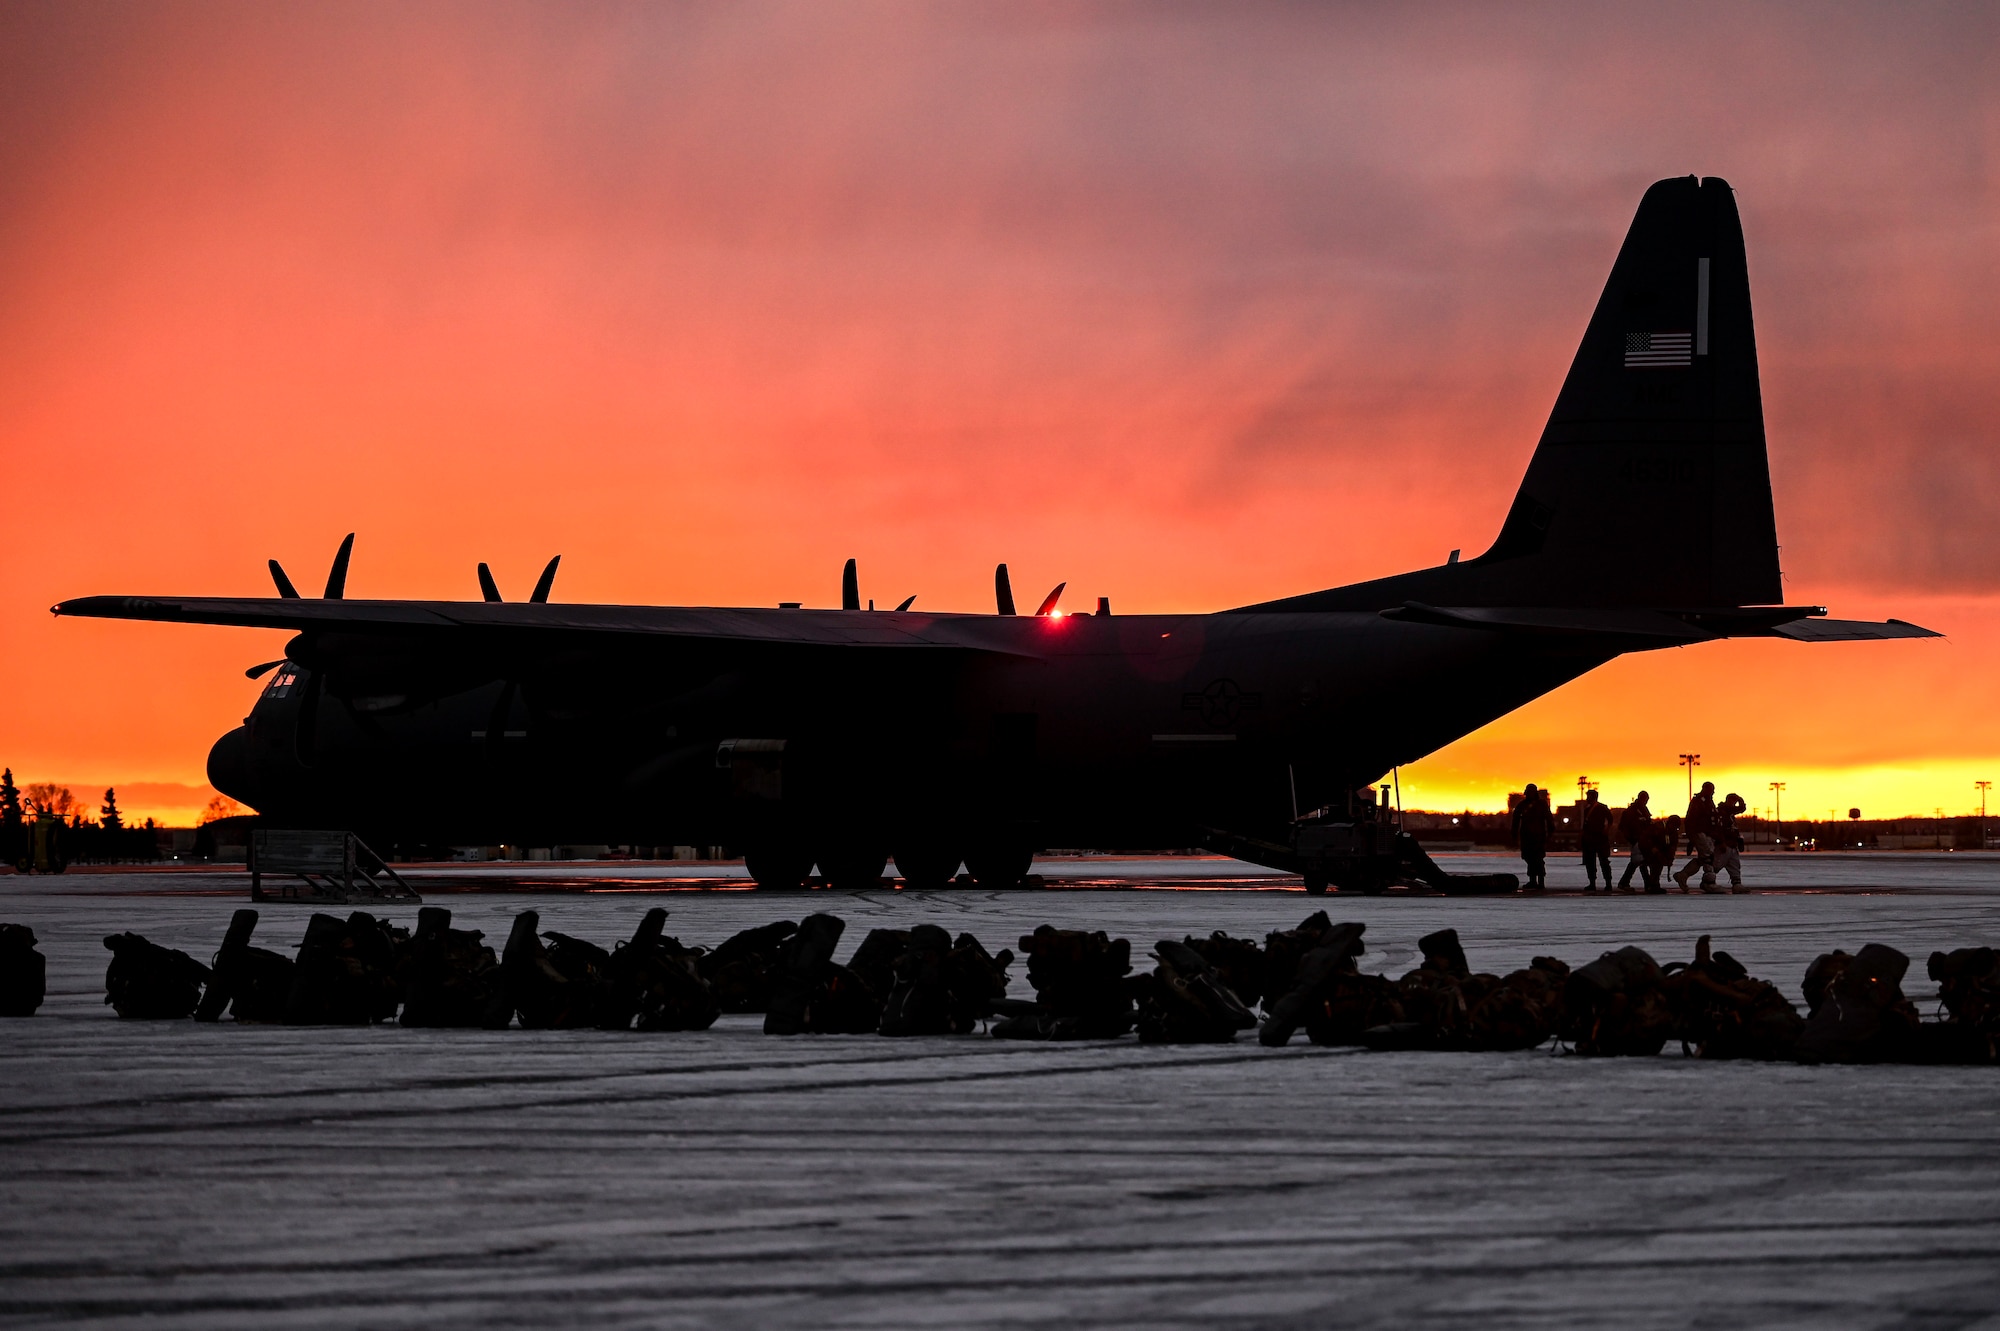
(182, 1175)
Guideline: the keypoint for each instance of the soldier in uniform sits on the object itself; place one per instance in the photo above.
(1728, 847)
(1532, 824)
(1700, 828)
(1596, 837)
(1663, 837)
(1632, 829)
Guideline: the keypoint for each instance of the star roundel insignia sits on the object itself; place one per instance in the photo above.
(1221, 703)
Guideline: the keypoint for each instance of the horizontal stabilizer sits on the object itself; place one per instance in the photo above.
(1851, 630)
(1659, 628)
(1638, 629)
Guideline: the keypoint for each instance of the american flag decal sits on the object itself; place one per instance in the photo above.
(1650, 351)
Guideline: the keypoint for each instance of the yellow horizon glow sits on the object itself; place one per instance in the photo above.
(1811, 793)
(1438, 785)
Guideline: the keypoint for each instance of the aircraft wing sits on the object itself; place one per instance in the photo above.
(799, 628)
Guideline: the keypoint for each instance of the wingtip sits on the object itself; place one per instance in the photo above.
(1916, 630)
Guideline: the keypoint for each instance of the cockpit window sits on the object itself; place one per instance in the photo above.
(282, 680)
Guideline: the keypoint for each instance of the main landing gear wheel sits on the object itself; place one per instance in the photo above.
(1316, 884)
(926, 867)
(778, 868)
(993, 868)
(851, 868)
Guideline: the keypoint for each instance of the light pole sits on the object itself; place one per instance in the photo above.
(1778, 813)
(1690, 761)
(1984, 786)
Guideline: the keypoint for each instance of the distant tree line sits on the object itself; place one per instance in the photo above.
(44, 828)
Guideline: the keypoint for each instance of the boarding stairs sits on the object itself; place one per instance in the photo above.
(320, 867)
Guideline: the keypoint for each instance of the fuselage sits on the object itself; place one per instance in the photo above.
(1106, 732)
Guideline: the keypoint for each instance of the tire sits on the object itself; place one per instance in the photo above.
(927, 868)
(777, 868)
(1316, 884)
(851, 868)
(999, 867)
(1362, 878)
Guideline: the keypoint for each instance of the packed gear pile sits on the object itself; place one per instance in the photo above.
(24, 979)
(921, 981)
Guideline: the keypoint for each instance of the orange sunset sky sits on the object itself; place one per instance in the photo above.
(1190, 305)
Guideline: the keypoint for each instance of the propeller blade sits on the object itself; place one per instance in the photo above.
(285, 587)
(907, 602)
(1049, 601)
(1003, 590)
(336, 577)
(487, 587)
(850, 588)
(545, 583)
(259, 671)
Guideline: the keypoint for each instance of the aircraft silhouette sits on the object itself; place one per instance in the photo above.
(842, 737)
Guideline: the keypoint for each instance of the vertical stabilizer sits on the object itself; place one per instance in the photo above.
(1650, 485)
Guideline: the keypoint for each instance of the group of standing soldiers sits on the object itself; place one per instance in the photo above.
(1713, 844)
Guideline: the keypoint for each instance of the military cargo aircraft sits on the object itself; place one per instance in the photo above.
(845, 737)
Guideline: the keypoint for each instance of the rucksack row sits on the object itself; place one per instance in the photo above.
(923, 981)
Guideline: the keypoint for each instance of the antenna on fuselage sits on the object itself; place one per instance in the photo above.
(1003, 590)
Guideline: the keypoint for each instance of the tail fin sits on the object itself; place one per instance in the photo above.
(1650, 486)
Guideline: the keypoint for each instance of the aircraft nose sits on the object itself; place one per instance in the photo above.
(229, 767)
